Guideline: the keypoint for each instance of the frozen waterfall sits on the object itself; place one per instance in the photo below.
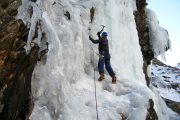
(63, 88)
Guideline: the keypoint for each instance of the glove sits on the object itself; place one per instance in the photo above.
(98, 33)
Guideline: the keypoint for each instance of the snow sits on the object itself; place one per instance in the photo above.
(168, 72)
(63, 88)
(159, 37)
(163, 77)
(160, 107)
(178, 66)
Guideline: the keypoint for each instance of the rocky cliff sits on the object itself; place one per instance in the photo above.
(16, 66)
(144, 41)
(143, 33)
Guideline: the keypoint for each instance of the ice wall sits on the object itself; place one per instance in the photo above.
(63, 88)
(159, 37)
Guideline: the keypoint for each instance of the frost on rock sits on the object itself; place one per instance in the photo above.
(31, 14)
(159, 37)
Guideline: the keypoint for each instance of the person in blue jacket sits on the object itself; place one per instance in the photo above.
(104, 56)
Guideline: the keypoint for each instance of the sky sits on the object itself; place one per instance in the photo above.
(167, 12)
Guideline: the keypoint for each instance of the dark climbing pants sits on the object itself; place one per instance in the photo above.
(105, 59)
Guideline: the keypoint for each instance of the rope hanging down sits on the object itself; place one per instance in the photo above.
(95, 86)
(97, 115)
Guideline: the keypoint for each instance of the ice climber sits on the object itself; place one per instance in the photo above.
(104, 56)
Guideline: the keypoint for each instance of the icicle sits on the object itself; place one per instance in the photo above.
(159, 37)
(30, 18)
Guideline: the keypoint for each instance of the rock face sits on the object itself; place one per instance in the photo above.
(16, 66)
(148, 55)
(175, 106)
(151, 113)
(143, 33)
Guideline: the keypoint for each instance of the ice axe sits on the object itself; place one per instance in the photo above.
(103, 26)
(98, 33)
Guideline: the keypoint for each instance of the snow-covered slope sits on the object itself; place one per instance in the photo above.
(63, 88)
(178, 66)
(167, 80)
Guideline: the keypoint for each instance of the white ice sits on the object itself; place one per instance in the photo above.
(159, 37)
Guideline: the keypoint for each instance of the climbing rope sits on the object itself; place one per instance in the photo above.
(97, 115)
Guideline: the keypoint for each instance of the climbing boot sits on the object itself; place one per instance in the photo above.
(114, 79)
(101, 77)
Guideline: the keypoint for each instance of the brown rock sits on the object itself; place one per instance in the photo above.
(175, 106)
(143, 33)
(16, 66)
(151, 113)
